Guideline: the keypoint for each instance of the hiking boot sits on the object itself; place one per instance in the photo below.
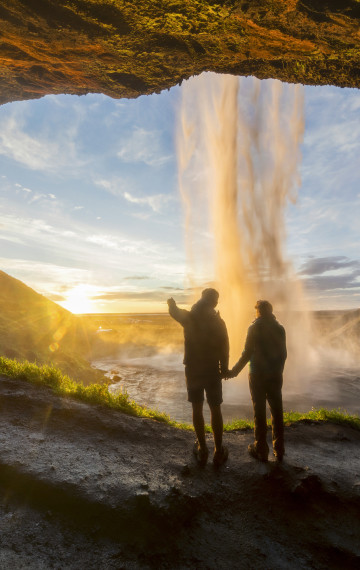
(220, 456)
(201, 454)
(255, 454)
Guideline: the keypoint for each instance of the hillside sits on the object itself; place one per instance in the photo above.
(37, 329)
(125, 49)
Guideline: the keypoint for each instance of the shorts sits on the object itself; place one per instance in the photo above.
(196, 386)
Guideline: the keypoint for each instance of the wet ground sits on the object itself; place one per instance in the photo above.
(87, 487)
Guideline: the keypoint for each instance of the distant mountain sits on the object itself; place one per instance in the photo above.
(36, 329)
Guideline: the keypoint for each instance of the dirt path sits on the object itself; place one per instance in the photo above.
(87, 487)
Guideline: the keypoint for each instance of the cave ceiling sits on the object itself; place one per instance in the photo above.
(129, 48)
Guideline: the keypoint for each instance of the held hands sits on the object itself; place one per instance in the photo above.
(227, 374)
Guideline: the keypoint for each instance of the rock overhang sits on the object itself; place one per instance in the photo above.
(125, 49)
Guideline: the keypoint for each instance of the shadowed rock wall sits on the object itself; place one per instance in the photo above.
(127, 48)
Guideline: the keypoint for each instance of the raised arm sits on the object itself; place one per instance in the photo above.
(180, 315)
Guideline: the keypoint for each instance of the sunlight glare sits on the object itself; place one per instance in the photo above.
(78, 299)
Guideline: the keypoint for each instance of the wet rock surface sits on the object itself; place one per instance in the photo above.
(88, 487)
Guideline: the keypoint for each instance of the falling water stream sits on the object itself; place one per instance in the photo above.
(239, 152)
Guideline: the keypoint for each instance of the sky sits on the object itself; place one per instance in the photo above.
(91, 214)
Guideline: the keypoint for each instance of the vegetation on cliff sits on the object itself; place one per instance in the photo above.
(99, 394)
(63, 385)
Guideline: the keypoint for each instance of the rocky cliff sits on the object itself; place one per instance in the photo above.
(126, 48)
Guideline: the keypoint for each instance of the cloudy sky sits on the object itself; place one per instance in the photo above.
(91, 215)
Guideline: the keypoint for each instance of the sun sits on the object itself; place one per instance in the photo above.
(78, 300)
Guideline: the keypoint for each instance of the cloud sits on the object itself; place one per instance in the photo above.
(328, 227)
(43, 240)
(343, 135)
(22, 188)
(43, 276)
(142, 216)
(13, 239)
(103, 240)
(320, 265)
(136, 277)
(47, 200)
(158, 294)
(149, 295)
(116, 186)
(155, 202)
(102, 251)
(122, 188)
(143, 146)
(15, 143)
(37, 197)
(331, 273)
(40, 151)
(332, 141)
(120, 244)
(34, 228)
(334, 282)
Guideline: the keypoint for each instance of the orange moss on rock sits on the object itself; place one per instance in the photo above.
(125, 49)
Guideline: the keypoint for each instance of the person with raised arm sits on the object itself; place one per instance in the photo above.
(206, 360)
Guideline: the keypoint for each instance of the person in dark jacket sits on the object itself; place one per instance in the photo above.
(265, 348)
(206, 360)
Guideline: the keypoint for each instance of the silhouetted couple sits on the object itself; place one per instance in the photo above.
(206, 362)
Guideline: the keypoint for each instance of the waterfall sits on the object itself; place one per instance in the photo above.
(238, 147)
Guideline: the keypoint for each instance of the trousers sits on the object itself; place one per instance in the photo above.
(267, 388)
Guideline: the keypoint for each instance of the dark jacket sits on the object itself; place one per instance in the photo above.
(265, 348)
(206, 339)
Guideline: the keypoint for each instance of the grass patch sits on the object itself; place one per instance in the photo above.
(323, 415)
(99, 394)
(320, 415)
(239, 425)
(63, 385)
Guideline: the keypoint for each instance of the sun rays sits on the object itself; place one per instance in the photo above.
(79, 299)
